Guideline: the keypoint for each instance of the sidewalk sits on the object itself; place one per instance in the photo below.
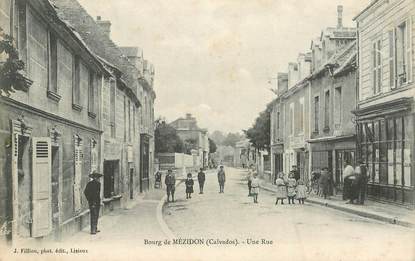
(375, 210)
(140, 215)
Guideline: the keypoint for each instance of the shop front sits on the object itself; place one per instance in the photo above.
(386, 143)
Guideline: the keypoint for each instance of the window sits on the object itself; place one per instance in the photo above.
(134, 127)
(376, 66)
(91, 94)
(129, 120)
(316, 113)
(76, 92)
(292, 118)
(337, 107)
(278, 120)
(301, 116)
(125, 118)
(20, 31)
(326, 110)
(53, 64)
(403, 53)
(112, 106)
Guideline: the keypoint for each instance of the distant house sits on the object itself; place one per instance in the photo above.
(196, 140)
(385, 99)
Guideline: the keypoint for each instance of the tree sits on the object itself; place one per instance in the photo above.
(218, 137)
(260, 133)
(231, 139)
(166, 138)
(11, 79)
(212, 146)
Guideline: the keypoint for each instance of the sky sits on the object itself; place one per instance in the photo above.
(215, 58)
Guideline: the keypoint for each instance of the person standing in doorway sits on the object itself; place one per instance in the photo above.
(189, 186)
(348, 176)
(295, 172)
(255, 187)
(221, 179)
(92, 193)
(201, 177)
(361, 180)
(324, 182)
(170, 182)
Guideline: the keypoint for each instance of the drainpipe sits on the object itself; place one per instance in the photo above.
(357, 94)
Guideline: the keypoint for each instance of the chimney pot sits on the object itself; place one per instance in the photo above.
(339, 16)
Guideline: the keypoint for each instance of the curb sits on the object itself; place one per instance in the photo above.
(159, 215)
(374, 216)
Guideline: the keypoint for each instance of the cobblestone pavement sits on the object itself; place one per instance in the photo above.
(297, 232)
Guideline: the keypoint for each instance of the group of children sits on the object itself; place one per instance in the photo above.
(291, 189)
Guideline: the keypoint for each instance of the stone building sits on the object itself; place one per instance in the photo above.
(196, 140)
(127, 111)
(385, 98)
(332, 98)
(52, 131)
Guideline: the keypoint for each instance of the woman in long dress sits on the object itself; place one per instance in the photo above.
(281, 193)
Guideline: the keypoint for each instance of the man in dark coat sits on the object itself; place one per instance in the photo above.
(221, 179)
(295, 172)
(361, 180)
(201, 179)
(170, 182)
(92, 193)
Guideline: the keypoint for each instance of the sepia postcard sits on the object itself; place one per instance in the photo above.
(207, 130)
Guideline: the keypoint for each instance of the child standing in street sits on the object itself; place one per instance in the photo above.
(281, 189)
(255, 188)
(301, 192)
(291, 184)
(189, 186)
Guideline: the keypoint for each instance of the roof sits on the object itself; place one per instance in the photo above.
(372, 3)
(342, 32)
(59, 21)
(339, 60)
(98, 41)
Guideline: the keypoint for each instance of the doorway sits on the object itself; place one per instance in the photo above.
(131, 183)
(144, 163)
(55, 170)
(111, 170)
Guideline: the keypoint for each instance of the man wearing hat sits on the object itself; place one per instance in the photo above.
(201, 179)
(221, 179)
(92, 193)
(170, 182)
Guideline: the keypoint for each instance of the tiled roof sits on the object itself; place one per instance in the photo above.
(338, 60)
(100, 43)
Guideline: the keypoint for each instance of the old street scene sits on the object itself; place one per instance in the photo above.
(207, 130)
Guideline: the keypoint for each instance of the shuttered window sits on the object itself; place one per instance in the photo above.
(377, 66)
(78, 159)
(41, 187)
(392, 72)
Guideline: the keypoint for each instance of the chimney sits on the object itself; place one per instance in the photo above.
(105, 25)
(188, 116)
(339, 16)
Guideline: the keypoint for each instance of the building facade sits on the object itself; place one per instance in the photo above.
(196, 140)
(332, 98)
(385, 98)
(52, 130)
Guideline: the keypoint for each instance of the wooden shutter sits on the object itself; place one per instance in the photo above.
(408, 51)
(392, 72)
(77, 178)
(41, 187)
